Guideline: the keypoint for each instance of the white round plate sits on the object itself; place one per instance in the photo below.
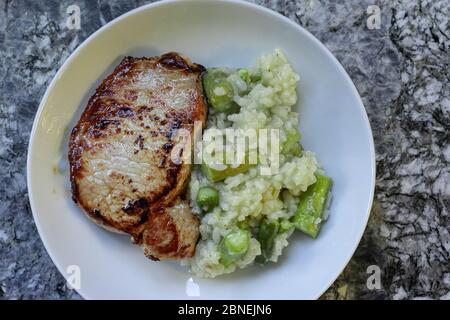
(333, 123)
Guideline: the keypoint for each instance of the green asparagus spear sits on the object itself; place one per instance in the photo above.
(219, 90)
(268, 230)
(291, 145)
(214, 175)
(311, 206)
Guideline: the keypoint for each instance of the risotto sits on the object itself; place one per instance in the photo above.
(250, 215)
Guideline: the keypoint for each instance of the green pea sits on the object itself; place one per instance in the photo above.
(244, 75)
(207, 198)
(234, 246)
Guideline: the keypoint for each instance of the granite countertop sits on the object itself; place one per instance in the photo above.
(401, 71)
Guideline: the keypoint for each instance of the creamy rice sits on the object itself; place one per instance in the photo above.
(250, 196)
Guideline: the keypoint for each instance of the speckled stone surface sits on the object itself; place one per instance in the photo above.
(401, 71)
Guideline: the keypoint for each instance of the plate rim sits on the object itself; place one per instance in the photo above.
(149, 6)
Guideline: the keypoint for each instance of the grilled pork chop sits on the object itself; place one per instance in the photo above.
(121, 170)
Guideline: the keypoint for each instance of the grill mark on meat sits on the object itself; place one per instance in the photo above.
(174, 126)
(125, 112)
(131, 95)
(98, 129)
(75, 192)
(167, 147)
(103, 124)
(136, 207)
(144, 109)
(140, 142)
(171, 178)
(174, 61)
(99, 218)
(104, 109)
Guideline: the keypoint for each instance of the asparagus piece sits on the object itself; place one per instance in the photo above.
(219, 91)
(268, 230)
(311, 206)
(214, 175)
(292, 143)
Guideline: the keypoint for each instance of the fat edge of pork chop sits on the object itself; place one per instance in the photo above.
(121, 171)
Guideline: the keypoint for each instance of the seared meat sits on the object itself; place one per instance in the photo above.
(170, 232)
(121, 169)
